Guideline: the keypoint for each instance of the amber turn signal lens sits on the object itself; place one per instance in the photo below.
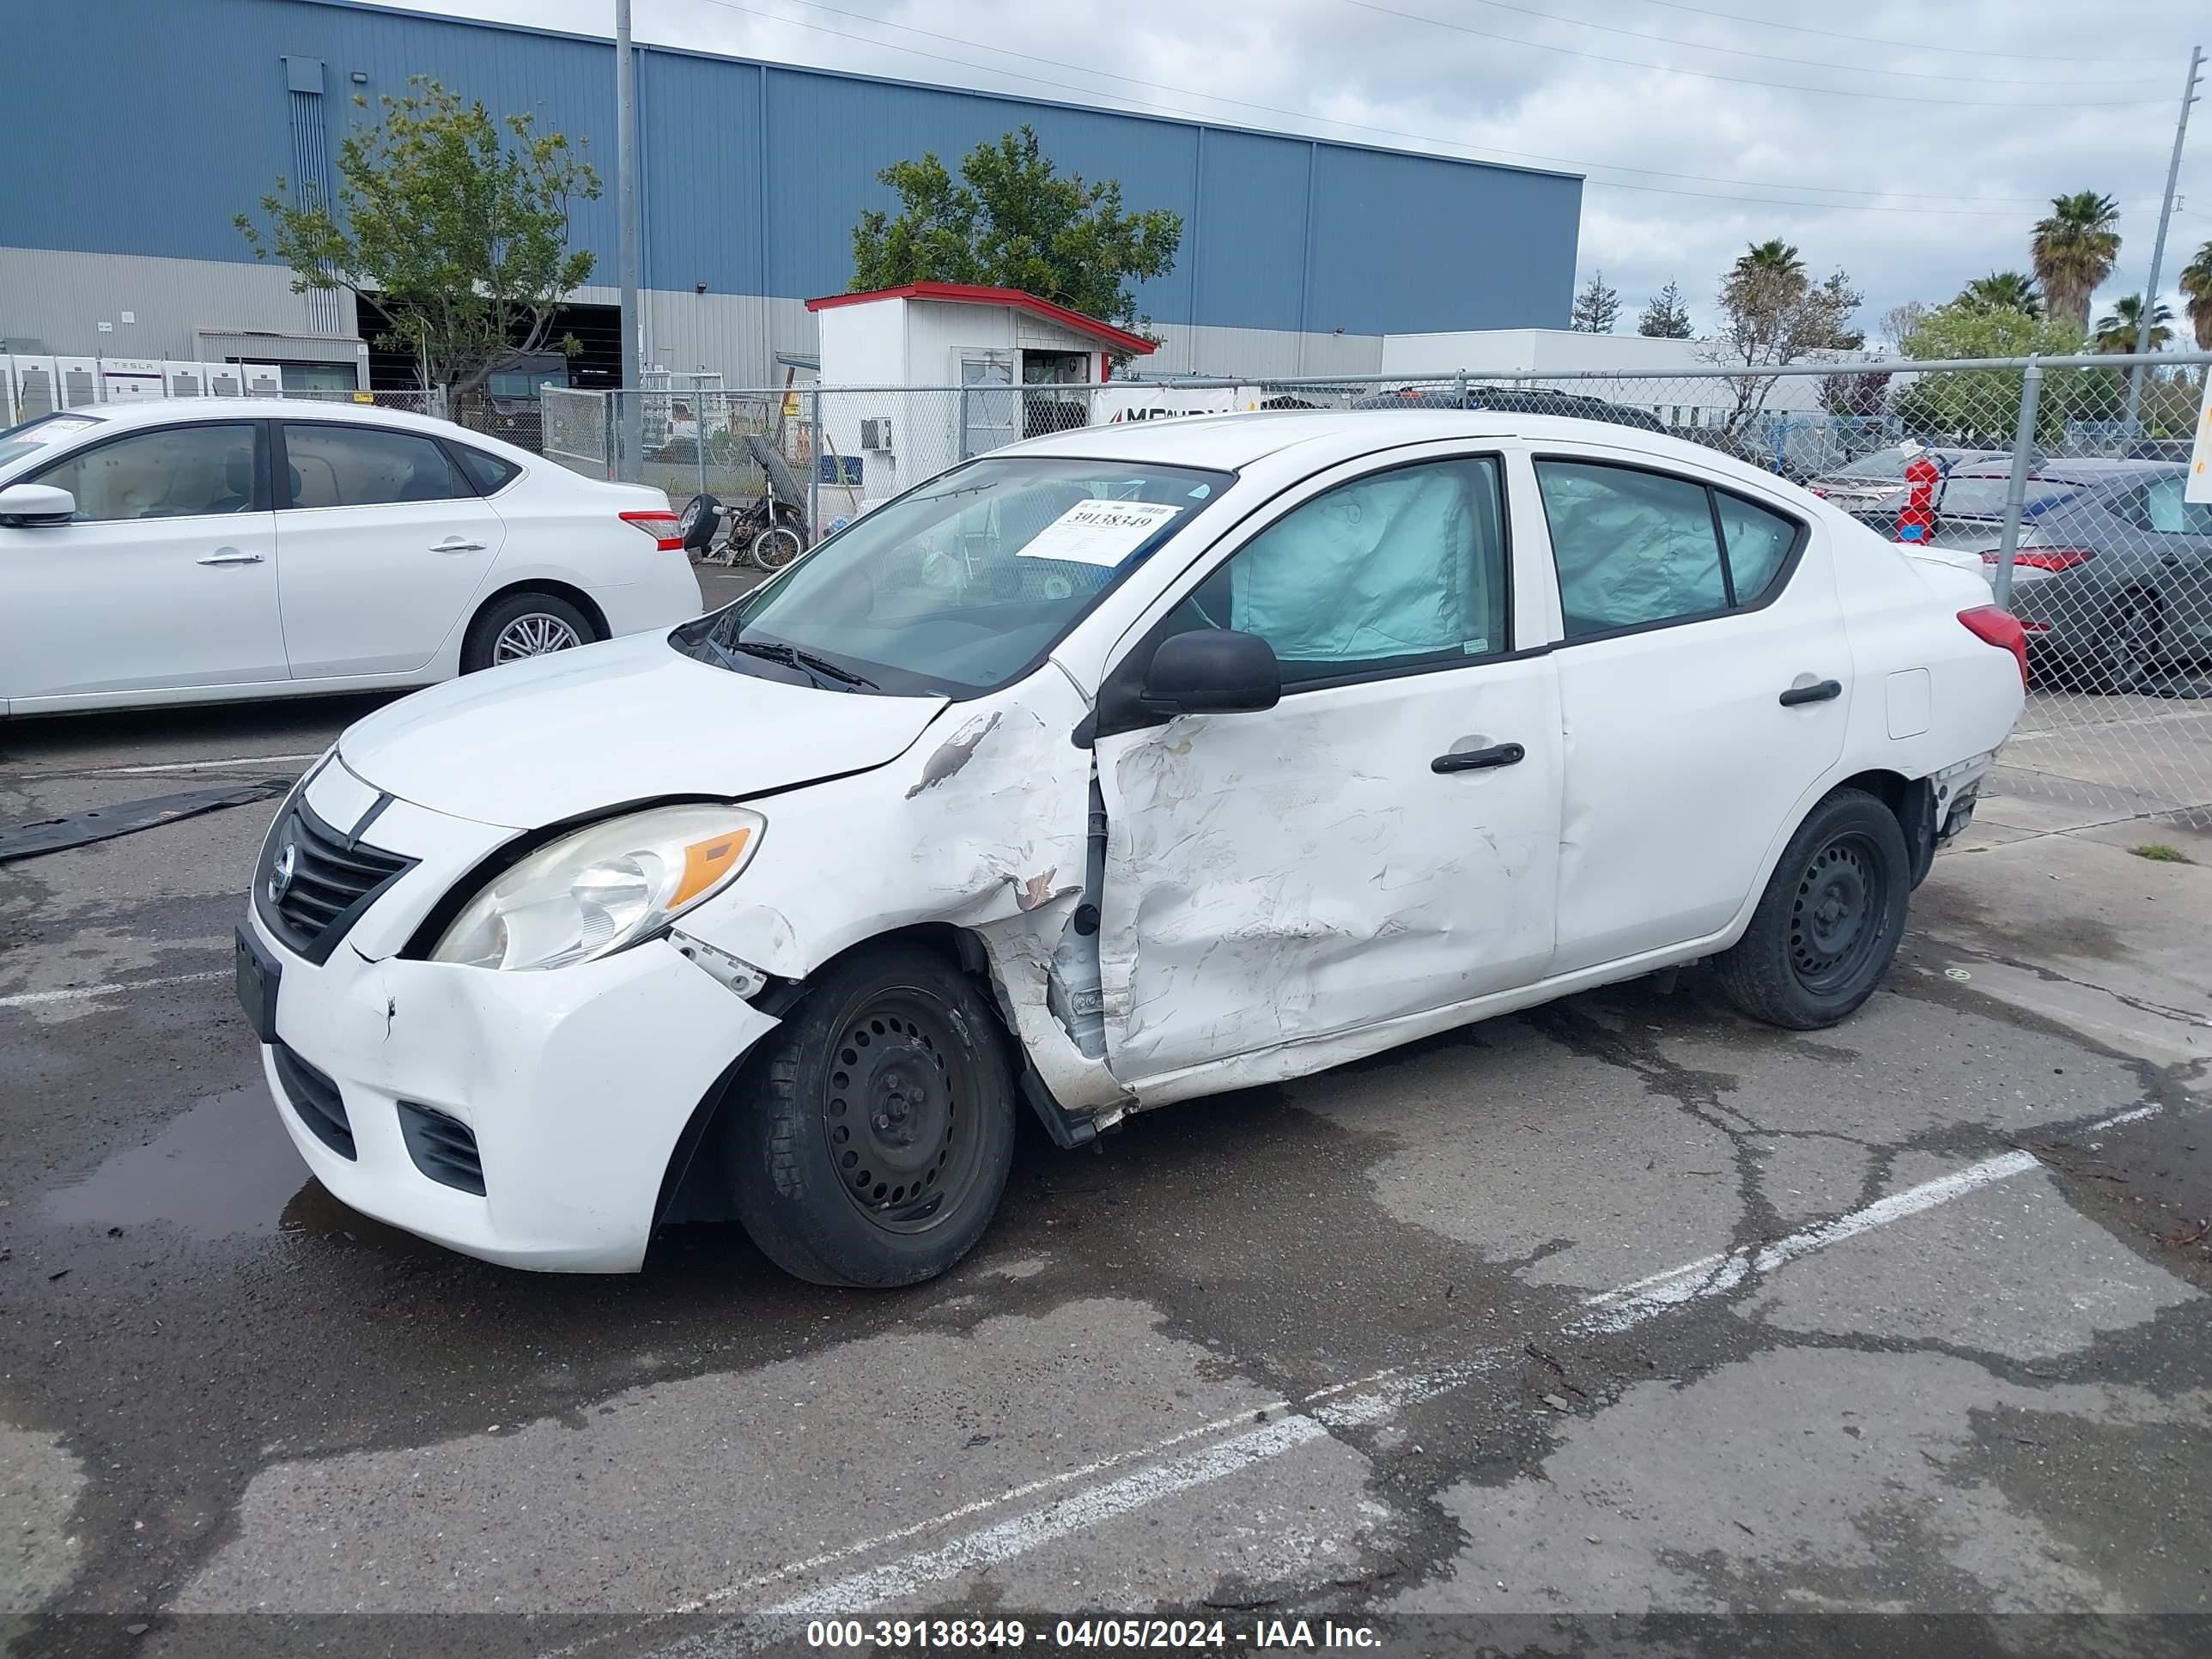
(706, 862)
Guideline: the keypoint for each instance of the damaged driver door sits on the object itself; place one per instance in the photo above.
(1381, 842)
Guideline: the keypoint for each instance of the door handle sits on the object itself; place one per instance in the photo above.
(229, 556)
(455, 545)
(1826, 691)
(1474, 760)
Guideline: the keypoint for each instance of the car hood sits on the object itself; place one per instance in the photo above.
(634, 720)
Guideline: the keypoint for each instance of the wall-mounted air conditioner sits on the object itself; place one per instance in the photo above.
(876, 432)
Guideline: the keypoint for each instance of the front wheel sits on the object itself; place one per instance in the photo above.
(1828, 924)
(875, 1126)
(774, 548)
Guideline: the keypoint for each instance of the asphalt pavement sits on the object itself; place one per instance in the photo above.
(1622, 1326)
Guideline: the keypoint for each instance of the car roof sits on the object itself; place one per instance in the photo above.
(2091, 469)
(1233, 441)
(159, 411)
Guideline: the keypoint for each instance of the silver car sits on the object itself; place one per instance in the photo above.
(1873, 479)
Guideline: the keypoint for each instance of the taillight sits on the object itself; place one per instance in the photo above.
(2000, 628)
(2043, 558)
(663, 527)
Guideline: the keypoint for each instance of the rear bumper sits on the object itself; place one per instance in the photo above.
(576, 1083)
(669, 596)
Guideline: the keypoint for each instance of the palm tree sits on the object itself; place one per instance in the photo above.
(2196, 284)
(2003, 290)
(2073, 251)
(2116, 331)
(1773, 256)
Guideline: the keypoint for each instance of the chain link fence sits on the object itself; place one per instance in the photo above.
(2061, 482)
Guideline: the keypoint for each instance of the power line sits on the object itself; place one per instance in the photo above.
(1908, 45)
(1741, 80)
(1391, 132)
(1771, 58)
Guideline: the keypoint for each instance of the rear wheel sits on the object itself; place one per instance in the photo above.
(1828, 924)
(875, 1125)
(2126, 657)
(526, 624)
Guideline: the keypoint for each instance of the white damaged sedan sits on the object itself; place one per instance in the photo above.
(1108, 770)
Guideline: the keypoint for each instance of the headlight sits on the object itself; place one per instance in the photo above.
(604, 888)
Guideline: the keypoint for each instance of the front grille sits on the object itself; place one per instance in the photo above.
(443, 1148)
(314, 1099)
(313, 882)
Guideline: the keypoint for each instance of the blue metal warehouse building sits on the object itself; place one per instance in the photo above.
(135, 130)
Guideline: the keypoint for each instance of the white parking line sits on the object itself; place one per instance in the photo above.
(235, 763)
(86, 992)
(1380, 1396)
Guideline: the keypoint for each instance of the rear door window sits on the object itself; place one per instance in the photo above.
(2161, 508)
(1635, 548)
(366, 466)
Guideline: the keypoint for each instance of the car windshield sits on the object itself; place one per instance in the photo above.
(42, 433)
(959, 586)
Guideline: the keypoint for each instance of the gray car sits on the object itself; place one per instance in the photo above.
(2113, 576)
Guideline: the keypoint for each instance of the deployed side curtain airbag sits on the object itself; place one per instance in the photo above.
(1381, 568)
(1632, 547)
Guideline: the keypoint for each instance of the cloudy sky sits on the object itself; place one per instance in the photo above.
(1912, 144)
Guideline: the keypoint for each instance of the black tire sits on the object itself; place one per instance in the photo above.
(481, 647)
(697, 524)
(775, 548)
(872, 1134)
(2127, 652)
(1828, 924)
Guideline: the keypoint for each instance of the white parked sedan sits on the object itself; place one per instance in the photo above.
(1105, 771)
(192, 551)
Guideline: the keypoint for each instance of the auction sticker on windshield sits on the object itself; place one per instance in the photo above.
(1098, 533)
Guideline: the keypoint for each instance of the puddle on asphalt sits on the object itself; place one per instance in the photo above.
(223, 1169)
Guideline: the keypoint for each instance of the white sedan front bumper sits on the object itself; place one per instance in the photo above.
(575, 1083)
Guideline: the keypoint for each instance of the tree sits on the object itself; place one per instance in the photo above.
(1854, 394)
(2073, 249)
(453, 232)
(1666, 318)
(1773, 314)
(1012, 221)
(1773, 256)
(2003, 290)
(2197, 285)
(1981, 406)
(1597, 308)
(2117, 329)
(1899, 322)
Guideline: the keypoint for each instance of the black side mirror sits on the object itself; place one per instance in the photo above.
(1213, 671)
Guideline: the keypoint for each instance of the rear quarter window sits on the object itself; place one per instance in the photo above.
(488, 472)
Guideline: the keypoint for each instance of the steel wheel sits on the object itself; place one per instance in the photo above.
(1840, 919)
(900, 1115)
(774, 548)
(534, 634)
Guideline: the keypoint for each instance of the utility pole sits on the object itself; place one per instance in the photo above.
(629, 416)
(2158, 247)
